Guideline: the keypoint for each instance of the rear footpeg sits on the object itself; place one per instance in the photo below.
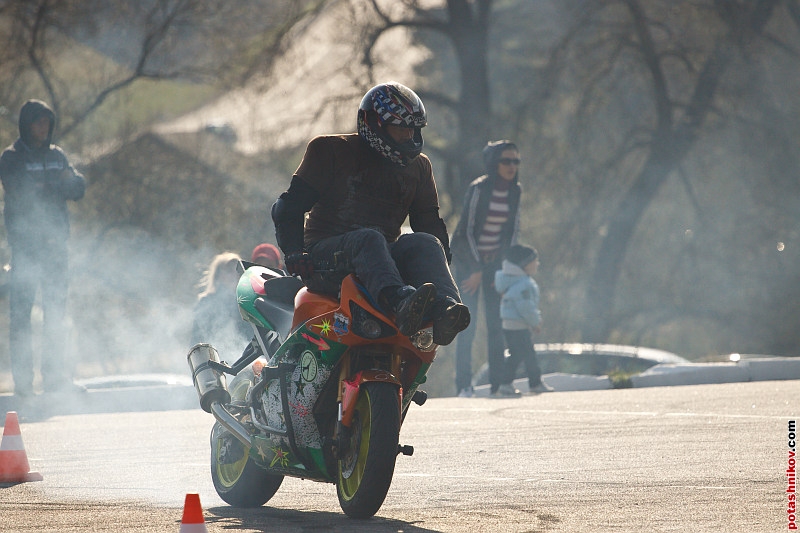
(405, 450)
(420, 397)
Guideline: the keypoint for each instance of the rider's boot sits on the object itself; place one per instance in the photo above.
(410, 306)
(449, 318)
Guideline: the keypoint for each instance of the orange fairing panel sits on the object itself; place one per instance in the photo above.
(309, 304)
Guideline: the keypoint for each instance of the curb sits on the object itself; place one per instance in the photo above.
(154, 398)
(672, 374)
(768, 369)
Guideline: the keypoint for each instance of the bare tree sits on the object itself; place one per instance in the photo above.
(197, 40)
(674, 133)
(465, 25)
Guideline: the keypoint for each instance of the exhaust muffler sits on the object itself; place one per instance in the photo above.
(209, 383)
(213, 391)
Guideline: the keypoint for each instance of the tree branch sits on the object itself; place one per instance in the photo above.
(37, 36)
(651, 60)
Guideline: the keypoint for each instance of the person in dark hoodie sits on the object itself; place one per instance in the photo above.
(489, 224)
(38, 180)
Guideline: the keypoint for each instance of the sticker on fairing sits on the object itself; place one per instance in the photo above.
(308, 366)
(341, 324)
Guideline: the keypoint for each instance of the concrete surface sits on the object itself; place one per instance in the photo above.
(698, 459)
(147, 393)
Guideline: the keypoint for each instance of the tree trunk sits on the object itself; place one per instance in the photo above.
(469, 33)
(668, 149)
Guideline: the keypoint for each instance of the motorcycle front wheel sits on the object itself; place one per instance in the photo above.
(237, 479)
(365, 473)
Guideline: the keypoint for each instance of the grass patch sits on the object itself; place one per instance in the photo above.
(621, 379)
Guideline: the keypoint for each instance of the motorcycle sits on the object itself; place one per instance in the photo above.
(320, 393)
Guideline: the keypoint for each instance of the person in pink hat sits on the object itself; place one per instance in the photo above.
(267, 255)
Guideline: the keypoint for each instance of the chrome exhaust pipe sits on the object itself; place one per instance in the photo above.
(230, 423)
(209, 384)
(213, 392)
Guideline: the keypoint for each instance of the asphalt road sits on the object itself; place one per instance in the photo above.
(697, 458)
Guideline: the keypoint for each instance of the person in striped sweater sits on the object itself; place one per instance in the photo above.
(489, 224)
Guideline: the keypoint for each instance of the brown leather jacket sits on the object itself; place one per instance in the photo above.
(358, 188)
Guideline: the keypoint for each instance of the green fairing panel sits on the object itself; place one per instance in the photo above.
(246, 296)
(329, 352)
(313, 358)
(419, 379)
(319, 460)
(279, 458)
(422, 375)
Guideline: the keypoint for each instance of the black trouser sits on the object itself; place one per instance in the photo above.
(520, 348)
(413, 259)
(494, 334)
(28, 273)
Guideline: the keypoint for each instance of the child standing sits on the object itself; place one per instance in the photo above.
(519, 310)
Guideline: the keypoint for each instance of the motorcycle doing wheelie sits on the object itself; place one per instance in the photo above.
(320, 393)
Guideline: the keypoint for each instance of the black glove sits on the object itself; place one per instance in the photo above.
(300, 264)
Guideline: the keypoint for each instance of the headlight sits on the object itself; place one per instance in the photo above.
(367, 325)
(369, 328)
(423, 340)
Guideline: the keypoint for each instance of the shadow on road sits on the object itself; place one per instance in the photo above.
(289, 520)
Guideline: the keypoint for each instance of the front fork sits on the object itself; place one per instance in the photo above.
(349, 388)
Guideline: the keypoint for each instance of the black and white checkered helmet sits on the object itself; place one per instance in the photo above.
(392, 104)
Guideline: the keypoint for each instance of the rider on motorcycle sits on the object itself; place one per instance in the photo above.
(358, 189)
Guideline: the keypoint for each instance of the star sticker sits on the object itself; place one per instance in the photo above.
(325, 327)
(261, 451)
(300, 384)
(300, 409)
(280, 456)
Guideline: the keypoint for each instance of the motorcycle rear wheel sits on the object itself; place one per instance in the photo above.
(365, 473)
(237, 479)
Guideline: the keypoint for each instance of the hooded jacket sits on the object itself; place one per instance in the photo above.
(37, 181)
(519, 303)
(464, 243)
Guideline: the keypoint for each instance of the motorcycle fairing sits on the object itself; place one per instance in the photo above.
(275, 452)
(279, 458)
(420, 376)
(266, 299)
(322, 331)
(315, 361)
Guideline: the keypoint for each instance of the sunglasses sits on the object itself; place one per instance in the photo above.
(510, 161)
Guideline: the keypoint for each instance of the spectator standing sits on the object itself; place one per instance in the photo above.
(489, 224)
(268, 255)
(519, 311)
(38, 180)
(217, 320)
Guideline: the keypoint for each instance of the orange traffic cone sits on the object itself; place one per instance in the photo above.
(14, 466)
(193, 521)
